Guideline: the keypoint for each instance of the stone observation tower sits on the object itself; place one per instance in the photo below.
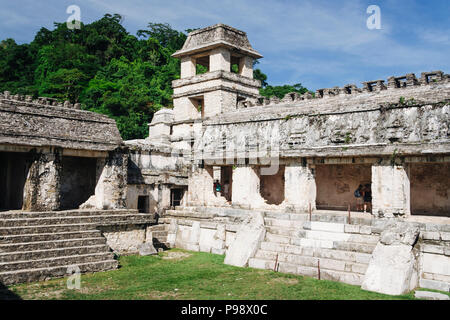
(219, 48)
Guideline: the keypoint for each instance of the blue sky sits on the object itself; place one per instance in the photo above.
(318, 43)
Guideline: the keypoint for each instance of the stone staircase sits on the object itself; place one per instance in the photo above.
(35, 246)
(295, 245)
(159, 233)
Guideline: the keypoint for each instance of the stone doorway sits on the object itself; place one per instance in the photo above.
(78, 180)
(272, 186)
(430, 189)
(336, 184)
(14, 168)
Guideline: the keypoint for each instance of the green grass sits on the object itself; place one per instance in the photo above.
(195, 276)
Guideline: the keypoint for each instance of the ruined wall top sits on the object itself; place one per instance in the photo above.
(46, 122)
(215, 36)
(394, 86)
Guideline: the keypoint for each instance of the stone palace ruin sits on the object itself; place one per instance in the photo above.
(73, 192)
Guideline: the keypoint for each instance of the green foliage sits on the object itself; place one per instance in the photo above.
(281, 91)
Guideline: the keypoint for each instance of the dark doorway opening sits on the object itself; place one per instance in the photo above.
(78, 181)
(176, 196)
(14, 168)
(143, 204)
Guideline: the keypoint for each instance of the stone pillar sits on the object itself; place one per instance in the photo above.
(111, 188)
(188, 67)
(42, 187)
(390, 190)
(246, 188)
(246, 67)
(220, 60)
(299, 186)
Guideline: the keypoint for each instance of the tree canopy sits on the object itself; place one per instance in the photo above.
(105, 68)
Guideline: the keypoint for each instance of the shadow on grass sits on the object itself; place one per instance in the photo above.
(6, 294)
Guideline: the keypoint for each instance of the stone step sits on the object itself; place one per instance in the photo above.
(310, 261)
(349, 256)
(320, 243)
(434, 285)
(292, 268)
(52, 253)
(286, 232)
(4, 231)
(67, 213)
(355, 247)
(55, 261)
(54, 244)
(334, 236)
(292, 224)
(22, 238)
(41, 274)
(319, 217)
(70, 220)
(157, 234)
(324, 237)
(159, 227)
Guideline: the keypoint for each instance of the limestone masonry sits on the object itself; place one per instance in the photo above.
(269, 183)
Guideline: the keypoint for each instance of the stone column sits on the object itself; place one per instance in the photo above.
(299, 186)
(246, 188)
(390, 190)
(42, 187)
(111, 188)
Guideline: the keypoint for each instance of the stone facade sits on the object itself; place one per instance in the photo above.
(289, 160)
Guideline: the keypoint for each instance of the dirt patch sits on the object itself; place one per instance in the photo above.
(176, 255)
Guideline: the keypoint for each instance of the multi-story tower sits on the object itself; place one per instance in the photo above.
(228, 57)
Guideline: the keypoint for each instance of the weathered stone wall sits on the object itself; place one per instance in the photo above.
(397, 121)
(45, 122)
(110, 190)
(126, 239)
(42, 187)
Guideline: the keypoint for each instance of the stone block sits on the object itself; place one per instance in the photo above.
(147, 249)
(431, 235)
(445, 236)
(427, 295)
(366, 230)
(391, 270)
(247, 242)
(433, 249)
(434, 263)
(352, 228)
(434, 285)
(324, 226)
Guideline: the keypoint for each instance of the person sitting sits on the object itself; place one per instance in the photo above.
(367, 198)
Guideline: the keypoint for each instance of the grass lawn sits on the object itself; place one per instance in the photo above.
(178, 274)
